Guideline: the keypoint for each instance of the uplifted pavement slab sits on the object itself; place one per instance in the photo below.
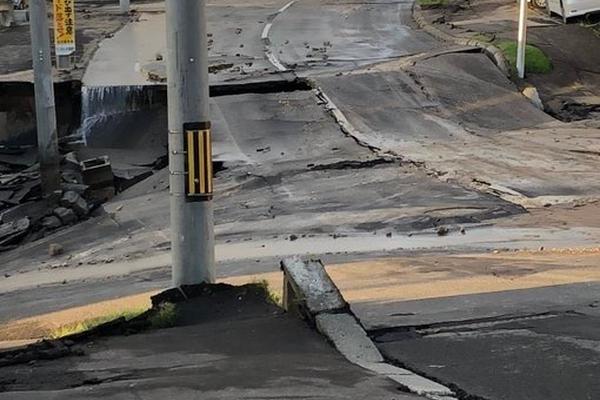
(568, 91)
(461, 118)
(230, 343)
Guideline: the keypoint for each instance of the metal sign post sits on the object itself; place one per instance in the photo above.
(522, 39)
(64, 33)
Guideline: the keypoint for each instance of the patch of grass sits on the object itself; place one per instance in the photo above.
(85, 325)
(535, 60)
(166, 317)
(271, 295)
(432, 3)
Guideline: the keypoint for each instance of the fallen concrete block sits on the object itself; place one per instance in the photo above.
(66, 215)
(308, 290)
(74, 201)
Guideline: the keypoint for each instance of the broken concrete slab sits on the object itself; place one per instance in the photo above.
(13, 231)
(74, 201)
(34, 210)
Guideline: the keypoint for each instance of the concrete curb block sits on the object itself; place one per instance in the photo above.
(309, 291)
(494, 53)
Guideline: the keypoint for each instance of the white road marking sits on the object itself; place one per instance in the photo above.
(265, 38)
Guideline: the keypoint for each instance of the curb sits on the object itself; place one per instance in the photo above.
(494, 53)
(309, 292)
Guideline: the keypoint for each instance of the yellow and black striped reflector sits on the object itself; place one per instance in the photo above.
(198, 164)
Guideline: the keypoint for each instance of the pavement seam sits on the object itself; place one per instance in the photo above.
(310, 291)
(493, 52)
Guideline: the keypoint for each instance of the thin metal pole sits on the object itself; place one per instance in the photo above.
(522, 39)
(124, 4)
(192, 232)
(44, 97)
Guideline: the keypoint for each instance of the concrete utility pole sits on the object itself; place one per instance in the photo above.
(190, 160)
(44, 97)
(124, 5)
(522, 38)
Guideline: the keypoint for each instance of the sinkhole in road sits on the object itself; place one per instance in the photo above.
(117, 110)
(86, 111)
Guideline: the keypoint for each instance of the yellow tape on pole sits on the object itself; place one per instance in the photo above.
(198, 146)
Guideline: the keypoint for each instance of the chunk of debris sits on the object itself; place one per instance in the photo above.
(293, 237)
(442, 231)
(55, 249)
(97, 174)
(213, 69)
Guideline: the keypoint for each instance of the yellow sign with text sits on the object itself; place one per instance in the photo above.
(64, 27)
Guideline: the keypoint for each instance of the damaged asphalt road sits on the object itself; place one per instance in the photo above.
(390, 147)
(288, 170)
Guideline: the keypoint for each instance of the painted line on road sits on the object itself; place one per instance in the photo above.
(265, 38)
(265, 33)
(275, 61)
(284, 8)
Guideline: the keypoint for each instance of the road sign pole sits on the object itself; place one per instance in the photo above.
(44, 97)
(522, 38)
(190, 161)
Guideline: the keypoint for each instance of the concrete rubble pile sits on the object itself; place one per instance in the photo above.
(26, 216)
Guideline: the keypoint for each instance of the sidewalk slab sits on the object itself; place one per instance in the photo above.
(228, 344)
